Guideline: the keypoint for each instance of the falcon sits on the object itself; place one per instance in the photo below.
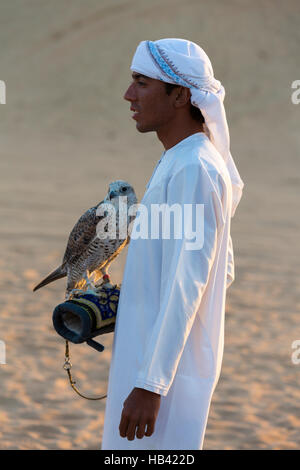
(89, 255)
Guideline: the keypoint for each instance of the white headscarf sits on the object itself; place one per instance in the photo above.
(184, 63)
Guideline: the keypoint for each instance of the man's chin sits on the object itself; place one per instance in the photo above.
(142, 128)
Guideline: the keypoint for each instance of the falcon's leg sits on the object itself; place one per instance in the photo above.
(104, 270)
(89, 283)
(89, 286)
(105, 279)
(74, 293)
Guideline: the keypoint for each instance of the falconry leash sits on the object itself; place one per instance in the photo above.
(67, 366)
(84, 316)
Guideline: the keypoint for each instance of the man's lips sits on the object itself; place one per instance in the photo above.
(135, 113)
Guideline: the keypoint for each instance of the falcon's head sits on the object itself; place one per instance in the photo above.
(121, 188)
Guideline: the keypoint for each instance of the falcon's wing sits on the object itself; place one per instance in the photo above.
(82, 234)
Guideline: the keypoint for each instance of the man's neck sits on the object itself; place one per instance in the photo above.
(171, 137)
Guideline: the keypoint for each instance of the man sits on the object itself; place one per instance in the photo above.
(168, 342)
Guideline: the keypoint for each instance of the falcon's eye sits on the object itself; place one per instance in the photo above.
(123, 189)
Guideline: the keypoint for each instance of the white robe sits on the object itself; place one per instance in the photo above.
(169, 332)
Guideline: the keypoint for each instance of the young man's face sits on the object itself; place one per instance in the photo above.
(150, 103)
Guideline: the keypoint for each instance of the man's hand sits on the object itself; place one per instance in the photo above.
(140, 409)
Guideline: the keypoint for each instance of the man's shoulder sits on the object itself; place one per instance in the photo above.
(200, 153)
(203, 158)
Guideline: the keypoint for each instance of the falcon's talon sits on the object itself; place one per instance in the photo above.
(107, 286)
(75, 293)
(90, 291)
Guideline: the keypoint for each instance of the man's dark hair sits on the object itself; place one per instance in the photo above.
(195, 112)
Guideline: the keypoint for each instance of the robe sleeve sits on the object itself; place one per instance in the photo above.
(184, 276)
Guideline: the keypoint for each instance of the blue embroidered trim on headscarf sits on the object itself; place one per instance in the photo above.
(165, 68)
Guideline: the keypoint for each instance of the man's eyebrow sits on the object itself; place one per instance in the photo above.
(137, 76)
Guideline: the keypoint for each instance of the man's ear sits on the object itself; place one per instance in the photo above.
(183, 96)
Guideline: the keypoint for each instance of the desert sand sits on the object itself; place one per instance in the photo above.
(66, 133)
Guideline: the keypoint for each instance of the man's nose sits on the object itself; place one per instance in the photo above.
(130, 94)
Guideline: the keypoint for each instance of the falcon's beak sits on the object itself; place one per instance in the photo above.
(113, 194)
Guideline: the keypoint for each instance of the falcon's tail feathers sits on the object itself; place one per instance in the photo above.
(57, 274)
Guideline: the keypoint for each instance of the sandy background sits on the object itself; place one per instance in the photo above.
(66, 133)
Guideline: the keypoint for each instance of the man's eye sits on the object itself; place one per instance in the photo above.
(141, 83)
